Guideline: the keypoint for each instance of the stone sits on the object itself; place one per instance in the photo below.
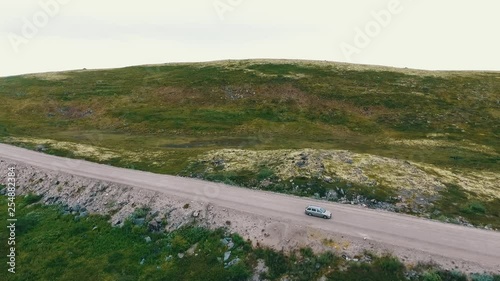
(154, 225)
(233, 262)
(148, 239)
(226, 240)
(227, 255)
(300, 164)
(180, 255)
(40, 148)
(139, 222)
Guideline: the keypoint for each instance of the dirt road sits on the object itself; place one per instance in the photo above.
(447, 240)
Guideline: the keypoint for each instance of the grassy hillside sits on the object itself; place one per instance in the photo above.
(174, 118)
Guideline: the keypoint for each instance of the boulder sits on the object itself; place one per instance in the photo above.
(154, 226)
(231, 263)
(40, 148)
(139, 222)
(227, 255)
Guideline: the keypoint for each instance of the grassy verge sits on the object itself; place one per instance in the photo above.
(54, 245)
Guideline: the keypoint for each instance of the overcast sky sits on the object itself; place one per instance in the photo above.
(53, 35)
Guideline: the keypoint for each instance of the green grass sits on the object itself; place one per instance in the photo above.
(456, 202)
(52, 245)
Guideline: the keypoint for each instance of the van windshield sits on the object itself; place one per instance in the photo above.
(321, 210)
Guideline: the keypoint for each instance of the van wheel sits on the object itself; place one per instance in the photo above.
(325, 217)
(309, 214)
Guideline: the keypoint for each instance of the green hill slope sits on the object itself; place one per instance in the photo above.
(183, 118)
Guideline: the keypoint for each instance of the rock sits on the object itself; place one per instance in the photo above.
(196, 214)
(83, 214)
(142, 261)
(94, 228)
(168, 258)
(148, 239)
(192, 249)
(40, 148)
(139, 222)
(328, 179)
(180, 255)
(230, 245)
(219, 163)
(233, 262)
(227, 255)
(300, 164)
(265, 183)
(154, 226)
(52, 200)
(226, 240)
(77, 208)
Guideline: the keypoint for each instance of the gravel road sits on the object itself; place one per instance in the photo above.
(443, 241)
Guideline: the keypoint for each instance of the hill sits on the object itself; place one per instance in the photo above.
(405, 140)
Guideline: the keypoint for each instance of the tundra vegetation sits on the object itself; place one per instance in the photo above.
(54, 244)
(426, 138)
(419, 142)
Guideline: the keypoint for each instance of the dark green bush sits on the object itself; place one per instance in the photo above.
(31, 198)
(451, 275)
